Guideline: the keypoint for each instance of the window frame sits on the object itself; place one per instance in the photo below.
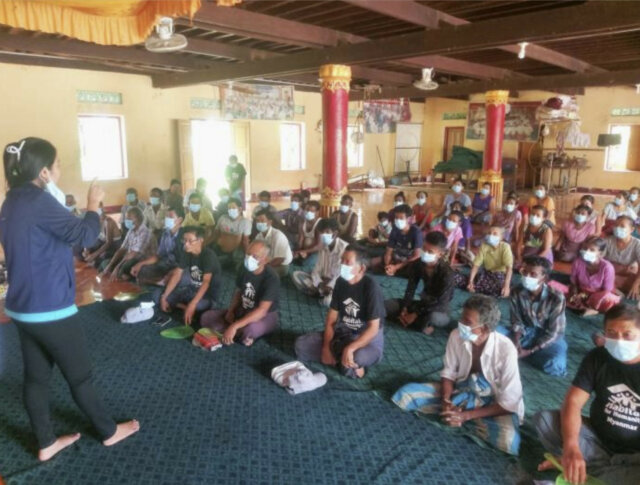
(360, 146)
(302, 165)
(124, 162)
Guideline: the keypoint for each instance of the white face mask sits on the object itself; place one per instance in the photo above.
(540, 194)
(346, 272)
(466, 333)
(450, 225)
(344, 209)
(589, 256)
(398, 203)
(633, 197)
(493, 239)
(251, 263)
(310, 215)
(457, 188)
(622, 350)
(233, 213)
(530, 283)
(422, 201)
(428, 257)
(618, 201)
(327, 239)
(384, 223)
(295, 205)
(580, 218)
(509, 208)
(400, 223)
(535, 220)
(485, 191)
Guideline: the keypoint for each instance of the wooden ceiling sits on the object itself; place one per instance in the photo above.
(471, 44)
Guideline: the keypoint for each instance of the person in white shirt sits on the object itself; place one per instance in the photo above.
(280, 255)
(322, 279)
(480, 387)
(154, 213)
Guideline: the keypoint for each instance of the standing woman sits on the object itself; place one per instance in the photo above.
(37, 233)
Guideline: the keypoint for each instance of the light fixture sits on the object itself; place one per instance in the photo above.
(523, 50)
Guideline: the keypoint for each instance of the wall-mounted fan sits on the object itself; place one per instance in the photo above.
(426, 83)
(164, 39)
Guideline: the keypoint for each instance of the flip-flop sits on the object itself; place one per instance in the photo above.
(181, 332)
(561, 480)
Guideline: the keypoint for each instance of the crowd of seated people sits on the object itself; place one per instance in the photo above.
(183, 249)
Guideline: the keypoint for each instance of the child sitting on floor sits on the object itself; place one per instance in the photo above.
(510, 219)
(483, 205)
(450, 227)
(464, 245)
(378, 237)
(574, 233)
(422, 214)
(538, 236)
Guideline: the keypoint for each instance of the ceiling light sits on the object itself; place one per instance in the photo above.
(523, 47)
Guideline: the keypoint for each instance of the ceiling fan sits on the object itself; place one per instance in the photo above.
(164, 39)
(426, 83)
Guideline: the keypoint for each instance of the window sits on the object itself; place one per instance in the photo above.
(625, 156)
(355, 151)
(212, 144)
(292, 146)
(103, 152)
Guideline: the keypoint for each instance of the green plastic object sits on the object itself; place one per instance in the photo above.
(182, 332)
(562, 481)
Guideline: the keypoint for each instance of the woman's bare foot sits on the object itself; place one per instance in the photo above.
(546, 465)
(248, 342)
(428, 330)
(359, 372)
(60, 444)
(123, 431)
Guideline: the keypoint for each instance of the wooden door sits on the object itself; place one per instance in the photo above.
(453, 135)
(185, 149)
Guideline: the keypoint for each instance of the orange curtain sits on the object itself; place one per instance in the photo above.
(107, 22)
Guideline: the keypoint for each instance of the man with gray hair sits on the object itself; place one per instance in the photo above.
(480, 387)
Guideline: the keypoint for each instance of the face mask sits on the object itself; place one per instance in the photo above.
(620, 232)
(457, 188)
(264, 204)
(450, 225)
(400, 223)
(397, 203)
(131, 197)
(224, 199)
(169, 223)
(295, 205)
(71, 208)
(422, 201)
(580, 218)
(327, 239)
(262, 226)
(509, 208)
(540, 194)
(346, 273)
(251, 263)
(633, 197)
(154, 200)
(58, 194)
(128, 223)
(344, 209)
(530, 283)
(535, 220)
(493, 239)
(589, 256)
(384, 223)
(310, 215)
(618, 201)
(233, 213)
(466, 333)
(195, 207)
(428, 257)
(622, 350)
(485, 191)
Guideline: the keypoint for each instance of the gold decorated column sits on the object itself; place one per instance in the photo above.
(495, 106)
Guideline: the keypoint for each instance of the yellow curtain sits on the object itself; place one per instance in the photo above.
(107, 22)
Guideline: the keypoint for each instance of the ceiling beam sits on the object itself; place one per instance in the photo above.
(596, 18)
(30, 60)
(556, 83)
(415, 13)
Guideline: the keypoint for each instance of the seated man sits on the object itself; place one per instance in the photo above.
(231, 235)
(137, 245)
(353, 336)
(480, 387)
(222, 207)
(132, 201)
(432, 310)
(201, 190)
(173, 196)
(607, 444)
(152, 270)
(538, 320)
(492, 267)
(197, 215)
(108, 242)
(347, 219)
(403, 247)
(309, 237)
(322, 279)
(253, 311)
(194, 285)
(154, 213)
(623, 251)
(292, 218)
(264, 198)
(71, 205)
(280, 255)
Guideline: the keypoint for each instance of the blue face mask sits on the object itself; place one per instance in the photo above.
(622, 350)
(422, 201)
(400, 223)
(169, 223)
(530, 283)
(310, 215)
(128, 223)
(493, 239)
(264, 204)
(131, 198)
(327, 239)
(485, 191)
(295, 205)
(262, 226)
(154, 200)
(618, 201)
(58, 194)
(620, 232)
(233, 213)
(580, 218)
(427, 257)
(509, 208)
(535, 220)
(224, 199)
(466, 333)
(195, 207)
(457, 188)
(589, 256)
(540, 194)
(250, 263)
(344, 209)
(450, 225)
(346, 272)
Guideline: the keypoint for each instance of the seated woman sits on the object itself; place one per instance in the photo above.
(138, 244)
(309, 242)
(480, 388)
(510, 219)
(634, 201)
(451, 229)
(347, 219)
(231, 235)
(291, 220)
(353, 336)
(492, 267)
(573, 234)
(623, 251)
(592, 289)
(422, 214)
(589, 201)
(403, 247)
(108, 241)
(540, 197)
(483, 206)
(607, 444)
(398, 200)
(613, 210)
(538, 237)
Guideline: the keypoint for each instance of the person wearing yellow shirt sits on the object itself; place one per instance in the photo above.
(199, 216)
(542, 198)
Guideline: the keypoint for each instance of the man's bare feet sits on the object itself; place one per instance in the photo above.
(359, 372)
(60, 444)
(248, 342)
(546, 465)
(428, 330)
(123, 431)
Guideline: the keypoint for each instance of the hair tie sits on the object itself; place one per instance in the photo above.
(16, 150)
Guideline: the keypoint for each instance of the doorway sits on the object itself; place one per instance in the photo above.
(453, 135)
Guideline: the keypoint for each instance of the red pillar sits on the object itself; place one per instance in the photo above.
(335, 80)
(495, 106)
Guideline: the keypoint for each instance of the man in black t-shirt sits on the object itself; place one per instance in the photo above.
(608, 442)
(194, 284)
(353, 337)
(253, 311)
